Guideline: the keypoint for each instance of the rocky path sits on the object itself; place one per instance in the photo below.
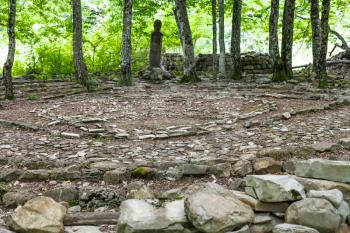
(167, 135)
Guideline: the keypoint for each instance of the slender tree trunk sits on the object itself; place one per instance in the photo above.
(279, 73)
(190, 74)
(287, 36)
(222, 58)
(236, 39)
(81, 72)
(126, 79)
(316, 34)
(322, 68)
(215, 40)
(7, 70)
(178, 26)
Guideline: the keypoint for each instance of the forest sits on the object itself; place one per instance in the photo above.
(175, 116)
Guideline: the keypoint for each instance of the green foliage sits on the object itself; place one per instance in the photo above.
(44, 31)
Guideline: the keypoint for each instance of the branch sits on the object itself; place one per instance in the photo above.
(344, 45)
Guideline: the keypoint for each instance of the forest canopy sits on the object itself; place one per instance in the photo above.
(44, 31)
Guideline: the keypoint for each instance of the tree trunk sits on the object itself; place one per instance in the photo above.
(127, 45)
(322, 68)
(79, 63)
(316, 36)
(279, 73)
(7, 69)
(215, 40)
(236, 39)
(222, 58)
(178, 26)
(287, 36)
(190, 74)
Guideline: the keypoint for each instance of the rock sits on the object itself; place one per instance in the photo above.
(264, 223)
(140, 216)
(14, 199)
(214, 209)
(70, 135)
(41, 214)
(5, 230)
(274, 188)
(261, 206)
(345, 142)
(138, 190)
(35, 175)
(301, 152)
(91, 219)
(324, 169)
(323, 146)
(286, 115)
(242, 168)
(194, 169)
(67, 194)
(144, 172)
(116, 176)
(82, 229)
(3, 189)
(278, 154)
(315, 213)
(344, 211)
(220, 170)
(244, 229)
(267, 166)
(291, 228)
(313, 184)
(334, 196)
(173, 173)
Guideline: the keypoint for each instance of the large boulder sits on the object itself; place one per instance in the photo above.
(274, 188)
(214, 209)
(291, 228)
(39, 215)
(315, 213)
(142, 216)
(334, 196)
(324, 169)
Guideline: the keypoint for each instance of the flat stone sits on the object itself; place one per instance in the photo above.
(116, 176)
(267, 166)
(316, 213)
(278, 154)
(260, 206)
(66, 194)
(324, 169)
(345, 142)
(292, 228)
(35, 175)
(14, 199)
(323, 146)
(274, 188)
(70, 135)
(194, 169)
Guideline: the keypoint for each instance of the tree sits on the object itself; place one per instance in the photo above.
(320, 33)
(279, 73)
(236, 39)
(126, 79)
(287, 37)
(222, 58)
(7, 70)
(190, 74)
(81, 72)
(215, 43)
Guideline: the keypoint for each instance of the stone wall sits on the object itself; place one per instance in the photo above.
(253, 63)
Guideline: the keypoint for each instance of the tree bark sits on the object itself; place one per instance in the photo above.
(236, 39)
(215, 39)
(287, 37)
(81, 72)
(316, 34)
(7, 69)
(190, 74)
(126, 79)
(322, 68)
(222, 58)
(279, 73)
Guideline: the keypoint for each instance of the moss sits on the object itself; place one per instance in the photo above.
(32, 97)
(143, 172)
(192, 78)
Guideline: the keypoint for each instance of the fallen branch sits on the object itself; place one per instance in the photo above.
(19, 124)
(344, 45)
(328, 62)
(91, 219)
